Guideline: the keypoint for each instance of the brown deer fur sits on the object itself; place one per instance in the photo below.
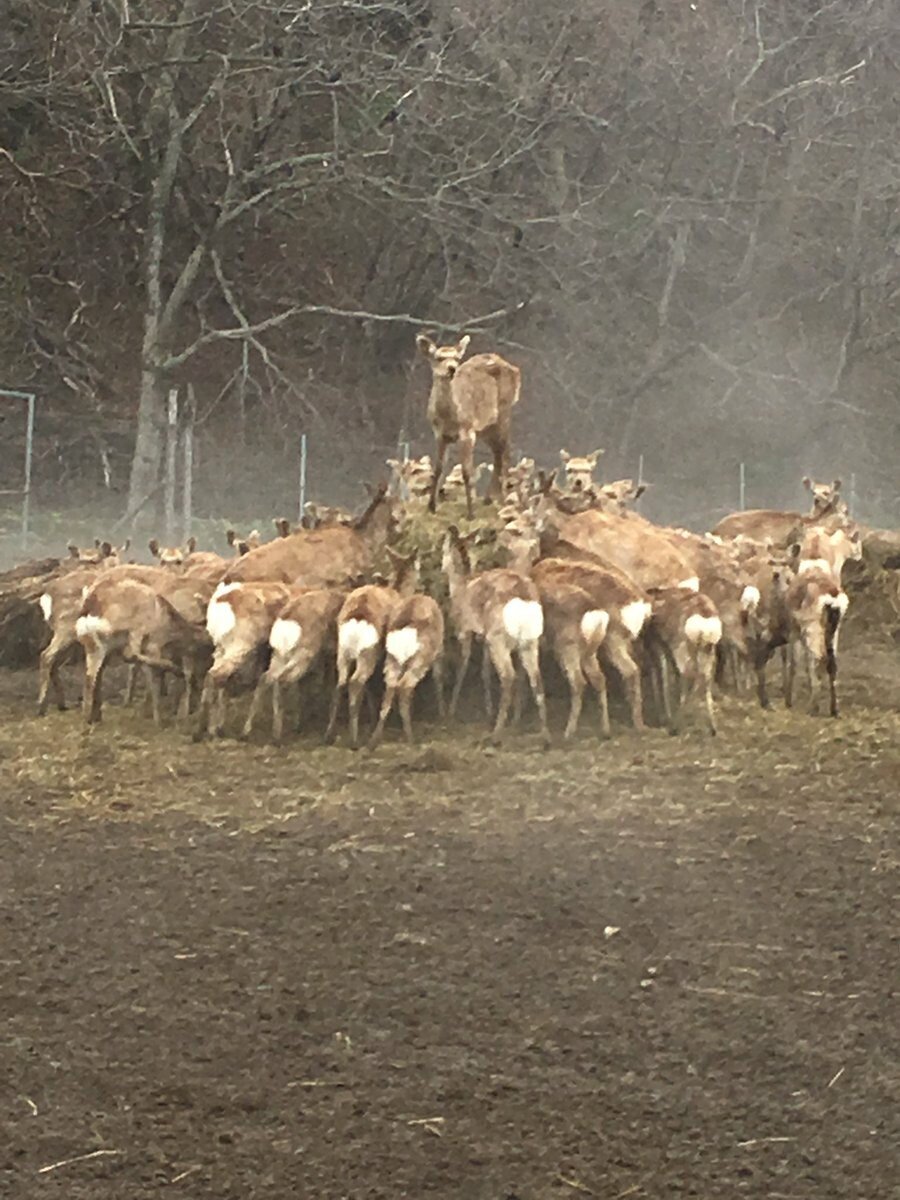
(772, 524)
(470, 400)
(684, 625)
(327, 557)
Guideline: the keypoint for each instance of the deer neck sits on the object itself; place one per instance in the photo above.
(377, 524)
(442, 408)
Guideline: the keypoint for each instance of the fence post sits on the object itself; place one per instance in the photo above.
(853, 494)
(29, 454)
(304, 453)
(171, 450)
(187, 500)
(743, 488)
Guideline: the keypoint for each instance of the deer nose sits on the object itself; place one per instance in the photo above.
(451, 370)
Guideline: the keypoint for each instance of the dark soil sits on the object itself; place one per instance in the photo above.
(659, 967)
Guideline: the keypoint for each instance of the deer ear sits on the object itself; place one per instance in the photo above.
(807, 483)
(153, 547)
(72, 549)
(795, 549)
(105, 548)
(426, 345)
(463, 344)
(565, 455)
(230, 537)
(639, 490)
(592, 458)
(836, 486)
(191, 545)
(123, 549)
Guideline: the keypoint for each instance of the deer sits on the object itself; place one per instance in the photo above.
(807, 618)
(826, 550)
(625, 606)
(303, 632)
(243, 545)
(101, 552)
(772, 524)
(361, 628)
(640, 549)
(239, 619)
(579, 470)
(413, 648)
(574, 626)
(128, 615)
(411, 479)
(686, 626)
(502, 609)
(617, 497)
(469, 400)
(326, 557)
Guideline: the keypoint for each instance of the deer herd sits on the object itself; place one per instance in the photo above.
(584, 581)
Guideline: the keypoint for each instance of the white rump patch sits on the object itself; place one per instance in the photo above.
(840, 601)
(704, 631)
(355, 636)
(285, 636)
(523, 620)
(92, 626)
(594, 625)
(46, 603)
(813, 564)
(220, 619)
(750, 598)
(402, 644)
(635, 616)
(692, 584)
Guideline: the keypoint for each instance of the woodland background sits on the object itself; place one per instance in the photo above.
(680, 219)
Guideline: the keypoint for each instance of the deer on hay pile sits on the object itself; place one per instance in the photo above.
(502, 609)
(303, 632)
(361, 628)
(469, 400)
(579, 470)
(330, 556)
(101, 552)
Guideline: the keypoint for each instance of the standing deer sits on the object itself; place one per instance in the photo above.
(470, 400)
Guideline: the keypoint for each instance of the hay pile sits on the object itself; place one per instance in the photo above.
(22, 628)
(873, 584)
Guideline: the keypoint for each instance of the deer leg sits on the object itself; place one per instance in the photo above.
(49, 676)
(597, 679)
(486, 671)
(503, 665)
(618, 652)
(531, 661)
(154, 678)
(365, 668)
(707, 670)
(94, 658)
(465, 650)
(278, 710)
(788, 672)
(407, 691)
(337, 692)
(497, 489)
(440, 456)
(467, 459)
(256, 703)
(391, 679)
(569, 660)
(437, 676)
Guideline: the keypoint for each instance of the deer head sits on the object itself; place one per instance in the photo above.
(445, 360)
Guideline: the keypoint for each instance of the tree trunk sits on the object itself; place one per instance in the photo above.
(145, 463)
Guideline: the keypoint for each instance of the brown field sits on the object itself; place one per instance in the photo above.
(650, 968)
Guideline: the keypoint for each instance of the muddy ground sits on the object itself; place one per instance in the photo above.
(657, 967)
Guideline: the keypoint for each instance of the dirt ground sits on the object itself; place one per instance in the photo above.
(650, 968)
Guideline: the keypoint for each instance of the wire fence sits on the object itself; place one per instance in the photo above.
(251, 487)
